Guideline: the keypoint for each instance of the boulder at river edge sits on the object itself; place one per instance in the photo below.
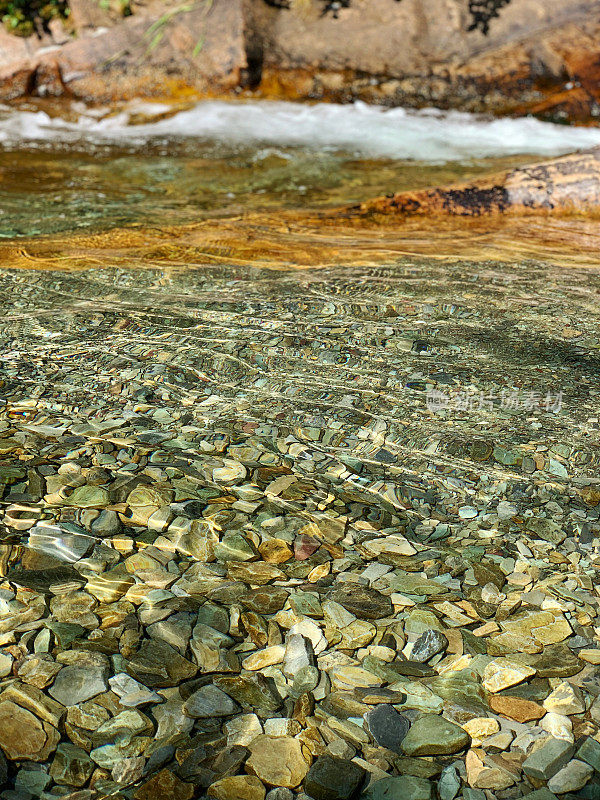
(504, 56)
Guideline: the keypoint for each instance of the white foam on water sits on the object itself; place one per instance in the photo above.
(367, 131)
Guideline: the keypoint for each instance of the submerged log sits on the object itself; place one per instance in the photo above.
(568, 183)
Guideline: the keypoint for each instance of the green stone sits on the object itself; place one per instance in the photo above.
(546, 794)
(9, 474)
(418, 767)
(549, 759)
(420, 619)
(557, 661)
(461, 687)
(401, 787)
(305, 680)
(305, 604)
(251, 691)
(590, 753)
(473, 645)
(88, 497)
(157, 664)
(34, 781)
(410, 584)
(474, 794)
(589, 792)
(507, 457)
(396, 670)
(546, 529)
(71, 766)
(421, 697)
(65, 633)
(431, 735)
(234, 547)
(214, 616)
(536, 690)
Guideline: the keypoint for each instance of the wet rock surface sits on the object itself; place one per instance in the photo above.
(503, 56)
(568, 183)
(258, 563)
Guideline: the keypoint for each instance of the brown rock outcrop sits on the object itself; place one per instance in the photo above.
(516, 56)
(504, 56)
(569, 183)
(161, 51)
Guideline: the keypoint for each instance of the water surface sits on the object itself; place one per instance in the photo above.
(203, 364)
(72, 168)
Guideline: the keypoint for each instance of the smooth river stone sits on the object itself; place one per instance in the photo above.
(431, 735)
(400, 787)
(332, 778)
(387, 727)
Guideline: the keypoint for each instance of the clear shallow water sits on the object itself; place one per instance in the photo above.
(202, 379)
(70, 168)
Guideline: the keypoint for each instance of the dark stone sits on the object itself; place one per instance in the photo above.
(473, 645)
(40, 580)
(535, 690)
(590, 791)
(428, 645)
(391, 671)
(65, 633)
(387, 727)
(190, 509)
(251, 691)
(591, 684)
(363, 602)
(334, 779)
(157, 664)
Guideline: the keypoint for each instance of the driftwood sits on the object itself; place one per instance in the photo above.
(569, 183)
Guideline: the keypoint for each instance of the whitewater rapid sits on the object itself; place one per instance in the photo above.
(428, 135)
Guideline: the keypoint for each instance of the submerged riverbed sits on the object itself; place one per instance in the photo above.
(291, 501)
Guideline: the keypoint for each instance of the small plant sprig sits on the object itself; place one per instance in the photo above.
(26, 17)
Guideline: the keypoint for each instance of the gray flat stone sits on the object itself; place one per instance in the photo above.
(75, 684)
(546, 762)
